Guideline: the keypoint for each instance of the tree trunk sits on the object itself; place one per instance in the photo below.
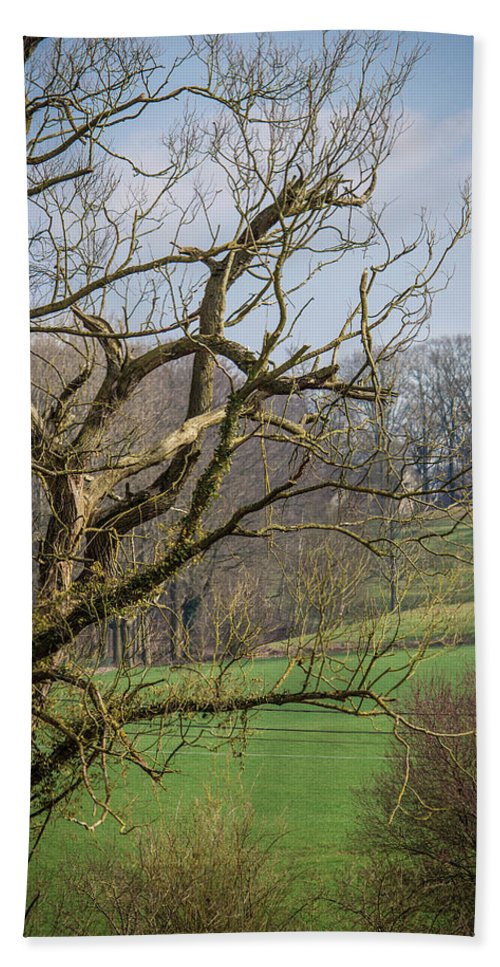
(63, 534)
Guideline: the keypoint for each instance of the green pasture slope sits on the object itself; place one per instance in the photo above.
(301, 769)
(444, 549)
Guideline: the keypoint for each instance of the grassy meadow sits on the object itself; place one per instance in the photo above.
(300, 769)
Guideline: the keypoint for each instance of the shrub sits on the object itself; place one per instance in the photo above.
(209, 872)
(420, 875)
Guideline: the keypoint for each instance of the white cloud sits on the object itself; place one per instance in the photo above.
(429, 163)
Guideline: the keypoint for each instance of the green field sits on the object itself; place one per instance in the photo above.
(300, 769)
(442, 549)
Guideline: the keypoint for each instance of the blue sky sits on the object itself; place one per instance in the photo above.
(426, 170)
(442, 85)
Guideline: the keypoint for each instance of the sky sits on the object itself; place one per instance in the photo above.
(426, 170)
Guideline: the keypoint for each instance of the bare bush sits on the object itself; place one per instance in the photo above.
(417, 823)
(209, 871)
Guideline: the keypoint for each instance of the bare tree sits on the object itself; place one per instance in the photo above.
(270, 158)
(438, 406)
